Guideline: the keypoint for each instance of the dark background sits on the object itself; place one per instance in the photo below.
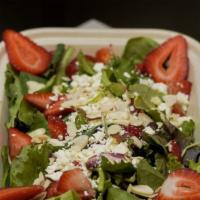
(182, 16)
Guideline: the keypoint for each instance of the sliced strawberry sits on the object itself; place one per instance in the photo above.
(52, 190)
(175, 149)
(177, 109)
(104, 54)
(183, 184)
(56, 127)
(57, 109)
(24, 54)
(76, 180)
(133, 130)
(20, 193)
(73, 68)
(140, 67)
(40, 100)
(17, 140)
(183, 86)
(169, 62)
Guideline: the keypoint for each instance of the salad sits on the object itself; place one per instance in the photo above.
(101, 126)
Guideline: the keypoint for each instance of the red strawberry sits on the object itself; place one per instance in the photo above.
(40, 100)
(76, 180)
(177, 109)
(52, 190)
(20, 193)
(175, 149)
(24, 54)
(134, 130)
(183, 184)
(57, 109)
(174, 52)
(183, 86)
(56, 127)
(104, 54)
(72, 68)
(17, 140)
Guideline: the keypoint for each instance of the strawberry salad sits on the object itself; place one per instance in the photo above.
(101, 126)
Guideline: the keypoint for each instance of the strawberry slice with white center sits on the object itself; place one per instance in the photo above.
(57, 127)
(169, 62)
(17, 140)
(56, 108)
(76, 180)
(40, 100)
(24, 54)
(183, 184)
(20, 193)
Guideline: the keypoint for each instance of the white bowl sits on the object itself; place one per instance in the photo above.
(89, 40)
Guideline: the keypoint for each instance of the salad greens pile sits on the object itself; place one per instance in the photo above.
(140, 154)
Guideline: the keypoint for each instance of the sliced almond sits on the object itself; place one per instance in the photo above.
(142, 190)
(79, 143)
(114, 129)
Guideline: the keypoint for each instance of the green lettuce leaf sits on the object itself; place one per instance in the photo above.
(85, 66)
(70, 195)
(142, 95)
(81, 118)
(138, 48)
(26, 167)
(160, 163)
(116, 167)
(6, 166)
(194, 165)
(173, 163)
(109, 82)
(25, 77)
(124, 71)
(118, 194)
(66, 58)
(57, 56)
(147, 175)
(187, 127)
(13, 93)
(31, 117)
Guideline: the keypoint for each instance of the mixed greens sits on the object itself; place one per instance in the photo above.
(113, 121)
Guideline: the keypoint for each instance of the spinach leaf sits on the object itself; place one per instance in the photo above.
(125, 72)
(85, 66)
(60, 48)
(57, 56)
(147, 175)
(25, 77)
(26, 167)
(182, 139)
(67, 55)
(194, 166)
(90, 131)
(70, 195)
(117, 89)
(160, 163)
(143, 95)
(49, 85)
(31, 117)
(138, 48)
(118, 194)
(13, 93)
(187, 127)
(116, 167)
(6, 166)
(173, 163)
(80, 118)
(157, 141)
